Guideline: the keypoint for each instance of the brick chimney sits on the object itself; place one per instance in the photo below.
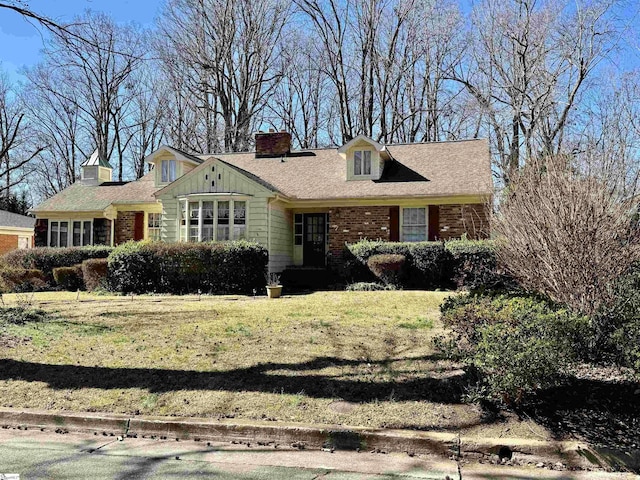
(272, 143)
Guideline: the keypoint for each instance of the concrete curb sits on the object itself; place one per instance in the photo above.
(315, 437)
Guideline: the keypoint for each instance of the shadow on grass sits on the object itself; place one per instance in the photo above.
(290, 378)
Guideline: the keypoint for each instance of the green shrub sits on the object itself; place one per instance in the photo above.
(22, 280)
(473, 264)
(69, 278)
(94, 273)
(387, 267)
(514, 343)
(229, 267)
(368, 287)
(426, 262)
(47, 258)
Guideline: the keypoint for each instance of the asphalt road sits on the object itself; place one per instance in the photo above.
(47, 455)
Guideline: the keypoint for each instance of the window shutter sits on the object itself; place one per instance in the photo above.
(394, 224)
(434, 222)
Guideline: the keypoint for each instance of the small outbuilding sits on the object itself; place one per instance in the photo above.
(16, 231)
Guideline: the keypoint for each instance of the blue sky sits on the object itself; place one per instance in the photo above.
(21, 42)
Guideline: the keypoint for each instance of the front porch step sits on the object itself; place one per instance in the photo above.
(307, 277)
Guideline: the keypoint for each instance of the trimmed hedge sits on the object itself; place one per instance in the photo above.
(69, 278)
(456, 263)
(387, 267)
(94, 273)
(47, 258)
(425, 266)
(222, 268)
(22, 280)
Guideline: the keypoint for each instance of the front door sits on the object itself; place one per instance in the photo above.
(314, 239)
(138, 226)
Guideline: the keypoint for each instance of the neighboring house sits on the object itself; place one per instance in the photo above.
(16, 231)
(302, 205)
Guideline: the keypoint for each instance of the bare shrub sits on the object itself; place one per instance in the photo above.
(565, 234)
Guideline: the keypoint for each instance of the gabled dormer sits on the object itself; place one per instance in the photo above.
(95, 170)
(169, 164)
(365, 158)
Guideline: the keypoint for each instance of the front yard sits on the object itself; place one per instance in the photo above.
(354, 358)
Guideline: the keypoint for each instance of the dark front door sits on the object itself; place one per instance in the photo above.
(314, 239)
(138, 226)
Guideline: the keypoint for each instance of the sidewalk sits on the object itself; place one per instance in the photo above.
(324, 442)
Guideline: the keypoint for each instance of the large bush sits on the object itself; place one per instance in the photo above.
(229, 267)
(387, 267)
(46, 259)
(515, 344)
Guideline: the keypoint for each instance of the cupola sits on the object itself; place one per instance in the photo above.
(96, 170)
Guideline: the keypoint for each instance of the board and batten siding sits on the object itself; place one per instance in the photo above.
(281, 248)
(217, 178)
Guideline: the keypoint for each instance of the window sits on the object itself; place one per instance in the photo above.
(54, 234)
(168, 170)
(239, 220)
(414, 224)
(362, 162)
(153, 226)
(194, 221)
(64, 234)
(213, 220)
(222, 232)
(183, 221)
(207, 221)
(297, 226)
(81, 233)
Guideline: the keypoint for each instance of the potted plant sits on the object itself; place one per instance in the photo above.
(274, 289)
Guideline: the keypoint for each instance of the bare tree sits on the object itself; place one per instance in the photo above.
(529, 63)
(563, 232)
(16, 148)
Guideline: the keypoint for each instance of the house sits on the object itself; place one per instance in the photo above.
(302, 205)
(16, 231)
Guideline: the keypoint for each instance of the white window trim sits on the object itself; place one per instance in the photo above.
(363, 175)
(149, 229)
(69, 230)
(200, 199)
(426, 218)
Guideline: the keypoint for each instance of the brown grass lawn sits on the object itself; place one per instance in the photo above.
(353, 358)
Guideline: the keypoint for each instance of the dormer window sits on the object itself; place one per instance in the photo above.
(362, 162)
(168, 171)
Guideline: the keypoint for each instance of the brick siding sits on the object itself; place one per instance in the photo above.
(350, 224)
(125, 224)
(456, 220)
(8, 243)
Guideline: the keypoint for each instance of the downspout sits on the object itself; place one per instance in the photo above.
(269, 231)
(113, 231)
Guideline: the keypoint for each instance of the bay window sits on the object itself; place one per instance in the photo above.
(414, 224)
(210, 220)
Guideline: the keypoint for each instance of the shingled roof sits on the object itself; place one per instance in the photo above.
(15, 220)
(81, 197)
(417, 169)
